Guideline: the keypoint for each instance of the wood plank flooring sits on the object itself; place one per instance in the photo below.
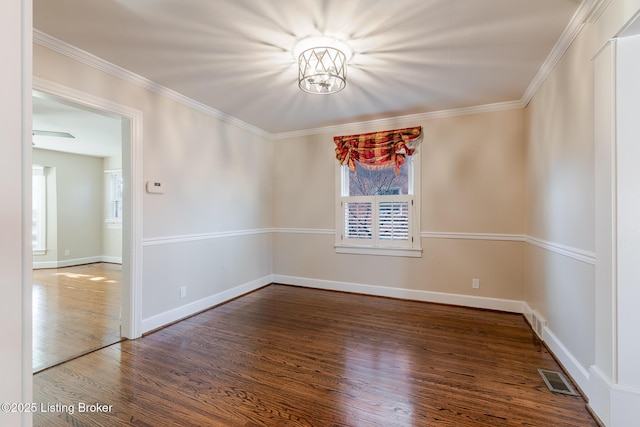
(75, 310)
(289, 356)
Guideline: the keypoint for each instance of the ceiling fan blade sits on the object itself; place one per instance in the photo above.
(52, 133)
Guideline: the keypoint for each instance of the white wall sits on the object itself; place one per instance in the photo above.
(15, 167)
(560, 207)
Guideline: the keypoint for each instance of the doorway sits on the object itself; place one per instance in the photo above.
(124, 219)
(76, 229)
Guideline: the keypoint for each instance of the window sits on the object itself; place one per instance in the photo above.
(113, 180)
(38, 210)
(377, 210)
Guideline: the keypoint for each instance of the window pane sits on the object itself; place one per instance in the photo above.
(114, 195)
(359, 221)
(393, 220)
(365, 182)
(38, 203)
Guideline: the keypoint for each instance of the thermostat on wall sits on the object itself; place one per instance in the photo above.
(155, 187)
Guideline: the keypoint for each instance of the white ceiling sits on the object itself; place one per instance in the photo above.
(96, 133)
(234, 56)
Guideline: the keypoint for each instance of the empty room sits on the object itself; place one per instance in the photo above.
(362, 213)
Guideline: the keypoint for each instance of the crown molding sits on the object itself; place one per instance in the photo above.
(571, 31)
(98, 63)
(399, 120)
(597, 10)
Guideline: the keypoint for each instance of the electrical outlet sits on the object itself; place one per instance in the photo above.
(475, 283)
(67, 252)
(183, 291)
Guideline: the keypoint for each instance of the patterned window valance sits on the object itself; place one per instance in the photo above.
(377, 150)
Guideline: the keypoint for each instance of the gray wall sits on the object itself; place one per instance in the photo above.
(76, 215)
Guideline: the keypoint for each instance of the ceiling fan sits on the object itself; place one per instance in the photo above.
(52, 133)
(55, 134)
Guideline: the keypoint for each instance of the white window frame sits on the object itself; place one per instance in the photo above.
(39, 209)
(376, 246)
(111, 178)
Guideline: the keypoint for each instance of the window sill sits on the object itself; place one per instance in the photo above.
(39, 252)
(113, 225)
(361, 250)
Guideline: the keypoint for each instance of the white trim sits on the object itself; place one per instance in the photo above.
(577, 372)
(600, 394)
(473, 236)
(596, 11)
(386, 251)
(511, 306)
(155, 241)
(76, 261)
(98, 63)
(569, 34)
(326, 231)
(192, 308)
(575, 253)
(398, 121)
(615, 404)
(624, 406)
(587, 257)
(132, 286)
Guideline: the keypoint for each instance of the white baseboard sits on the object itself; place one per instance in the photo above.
(615, 405)
(511, 306)
(175, 314)
(625, 402)
(600, 392)
(577, 372)
(76, 261)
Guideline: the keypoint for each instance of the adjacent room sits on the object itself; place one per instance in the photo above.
(76, 229)
(329, 213)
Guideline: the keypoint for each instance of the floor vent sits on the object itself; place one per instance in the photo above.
(557, 382)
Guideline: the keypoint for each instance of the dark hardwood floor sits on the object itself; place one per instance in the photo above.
(75, 310)
(288, 356)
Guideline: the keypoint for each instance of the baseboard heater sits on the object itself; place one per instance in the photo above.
(557, 382)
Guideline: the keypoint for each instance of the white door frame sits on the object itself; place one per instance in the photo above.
(132, 217)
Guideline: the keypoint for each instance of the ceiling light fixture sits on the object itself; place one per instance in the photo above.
(322, 65)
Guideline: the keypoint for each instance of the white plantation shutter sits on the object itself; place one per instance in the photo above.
(358, 220)
(393, 220)
(378, 221)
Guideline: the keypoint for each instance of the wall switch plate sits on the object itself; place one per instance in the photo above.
(475, 283)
